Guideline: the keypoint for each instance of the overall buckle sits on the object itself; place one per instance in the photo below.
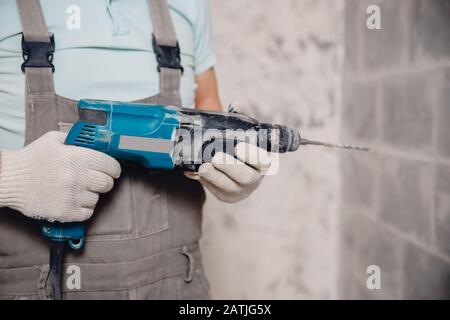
(37, 54)
(167, 56)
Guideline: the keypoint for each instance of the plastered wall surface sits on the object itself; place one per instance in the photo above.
(283, 60)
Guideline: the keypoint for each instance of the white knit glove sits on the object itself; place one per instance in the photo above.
(232, 179)
(53, 181)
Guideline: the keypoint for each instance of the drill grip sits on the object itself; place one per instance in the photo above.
(73, 233)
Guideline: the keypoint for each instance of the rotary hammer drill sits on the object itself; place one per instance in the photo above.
(162, 137)
(167, 137)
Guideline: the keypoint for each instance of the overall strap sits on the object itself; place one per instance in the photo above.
(37, 49)
(167, 51)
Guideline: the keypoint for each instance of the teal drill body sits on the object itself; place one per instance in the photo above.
(123, 131)
(127, 131)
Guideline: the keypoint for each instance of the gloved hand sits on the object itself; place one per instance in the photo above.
(53, 181)
(232, 179)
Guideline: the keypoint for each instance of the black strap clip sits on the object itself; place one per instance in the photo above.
(37, 54)
(167, 56)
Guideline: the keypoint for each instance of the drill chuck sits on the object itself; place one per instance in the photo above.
(289, 139)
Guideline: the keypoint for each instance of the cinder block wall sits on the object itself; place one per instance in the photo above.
(395, 200)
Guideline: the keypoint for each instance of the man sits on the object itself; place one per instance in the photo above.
(142, 237)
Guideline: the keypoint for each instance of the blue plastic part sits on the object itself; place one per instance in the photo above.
(101, 127)
(125, 120)
(72, 233)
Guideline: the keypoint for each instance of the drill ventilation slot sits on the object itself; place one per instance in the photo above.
(86, 136)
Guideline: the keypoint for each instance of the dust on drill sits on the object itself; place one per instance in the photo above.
(202, 134)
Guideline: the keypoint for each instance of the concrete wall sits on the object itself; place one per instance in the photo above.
(395, 210)
(283, 59)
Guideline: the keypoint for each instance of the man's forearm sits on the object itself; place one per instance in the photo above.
(207, 93)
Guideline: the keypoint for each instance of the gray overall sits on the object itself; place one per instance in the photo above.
(142, 241)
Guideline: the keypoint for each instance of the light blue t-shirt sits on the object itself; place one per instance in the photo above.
(109, 57)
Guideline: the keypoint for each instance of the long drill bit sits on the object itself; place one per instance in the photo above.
(333, 145)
